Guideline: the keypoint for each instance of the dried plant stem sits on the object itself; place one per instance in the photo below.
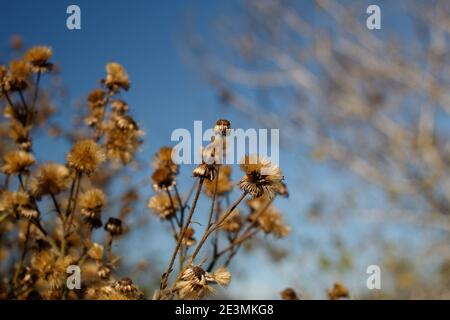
(36, 92)
(70, 212)
(215, 226)
(57, 208)
(98, 129)
(173, 208)
(165, 276)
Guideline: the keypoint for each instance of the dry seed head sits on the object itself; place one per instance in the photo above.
(38, 57)
(96, 251)
(162, 205)
(116, 77)
(16, 162)
(50, 179)
(163, 159)
(338, 291)
(222, 127)
(261, 177)
(85, 156)
(114, 226)
(163, 179)
(288, 294)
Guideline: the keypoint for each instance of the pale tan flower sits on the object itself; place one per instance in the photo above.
(50, 179)
(20, 73)
(222, 127)
(38, 57)
(188, 239)
(224, 185)
(164, 206)
(163, 159)
(268, 218)
(91, 203)
(163, 179)
(96, 251)
(85, 156)
(17, 162)
(116, 77)
(261, 177)
(338, 291)
(195, 283)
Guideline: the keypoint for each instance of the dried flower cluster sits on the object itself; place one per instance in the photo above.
(55, 215)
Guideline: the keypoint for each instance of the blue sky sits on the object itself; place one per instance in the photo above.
(166, 94)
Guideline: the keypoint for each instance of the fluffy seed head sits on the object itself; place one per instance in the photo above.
(85, 156)
(16, 162)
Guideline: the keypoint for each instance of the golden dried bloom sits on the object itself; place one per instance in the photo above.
(261, 177)
(289, 294)
(162, 205)
(163, 179)
(20, 134)
(91, 203)
(195, 283)
(96, 98)
(20, 73)
(96, 251)
(126, 287)
(222, 127)
(16, 162)
(38, 57)
(51, 269)
(224, 184)
(116, 77)
(205, 171)
(18, 203)
(271, 221)
(124, 122)
(338, 291)
(50, 179)
(114, 226)
(163, 159)
(85, 156)
(4, 79)
(119, 106)
(122, 144)
(104, 272)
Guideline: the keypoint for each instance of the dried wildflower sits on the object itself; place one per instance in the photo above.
(96, 251)
(20, 204)
(38, 57)
(222, 127)
(51, 179)
(114, 226)
(126, 287)
(17, 162)
(121, 143)
(195, 283)
(224, 184)
(338, 291)
(85, 156)
(163, 179)
(20, 134)
(116, 77)
(261, 177)
(163, 159)
(124, 122)
(20, 73)
(51, 269)
(96, 98)
(288, 294)
(119, 106)
(104, 272)
(188, 239)
(271, 221)
(91, 203)
(205, 171)
(162, 205)
(4, 79)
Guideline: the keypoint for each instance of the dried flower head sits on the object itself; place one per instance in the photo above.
(20, 134)
(20, 73)
(268, 218)
(50, 179)
(104, 272)
(116, 77)
(38, 57)
(205, 171)
(114, 226)
(96, 251)
(19, 203)
(85, 156)
(17, 162)
(195, 283)
(261, 177)
(338, 291)
(224, 183)
(233, 223)
(288, 294)
(163, 159)
(51, 269)
(222, 127)
(96, 98)
(91, 203)
(163, 205)
(163, 179)
(119, 106)
(126, 287)
(188, 239)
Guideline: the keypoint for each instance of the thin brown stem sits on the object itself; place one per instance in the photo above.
(165, 275)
